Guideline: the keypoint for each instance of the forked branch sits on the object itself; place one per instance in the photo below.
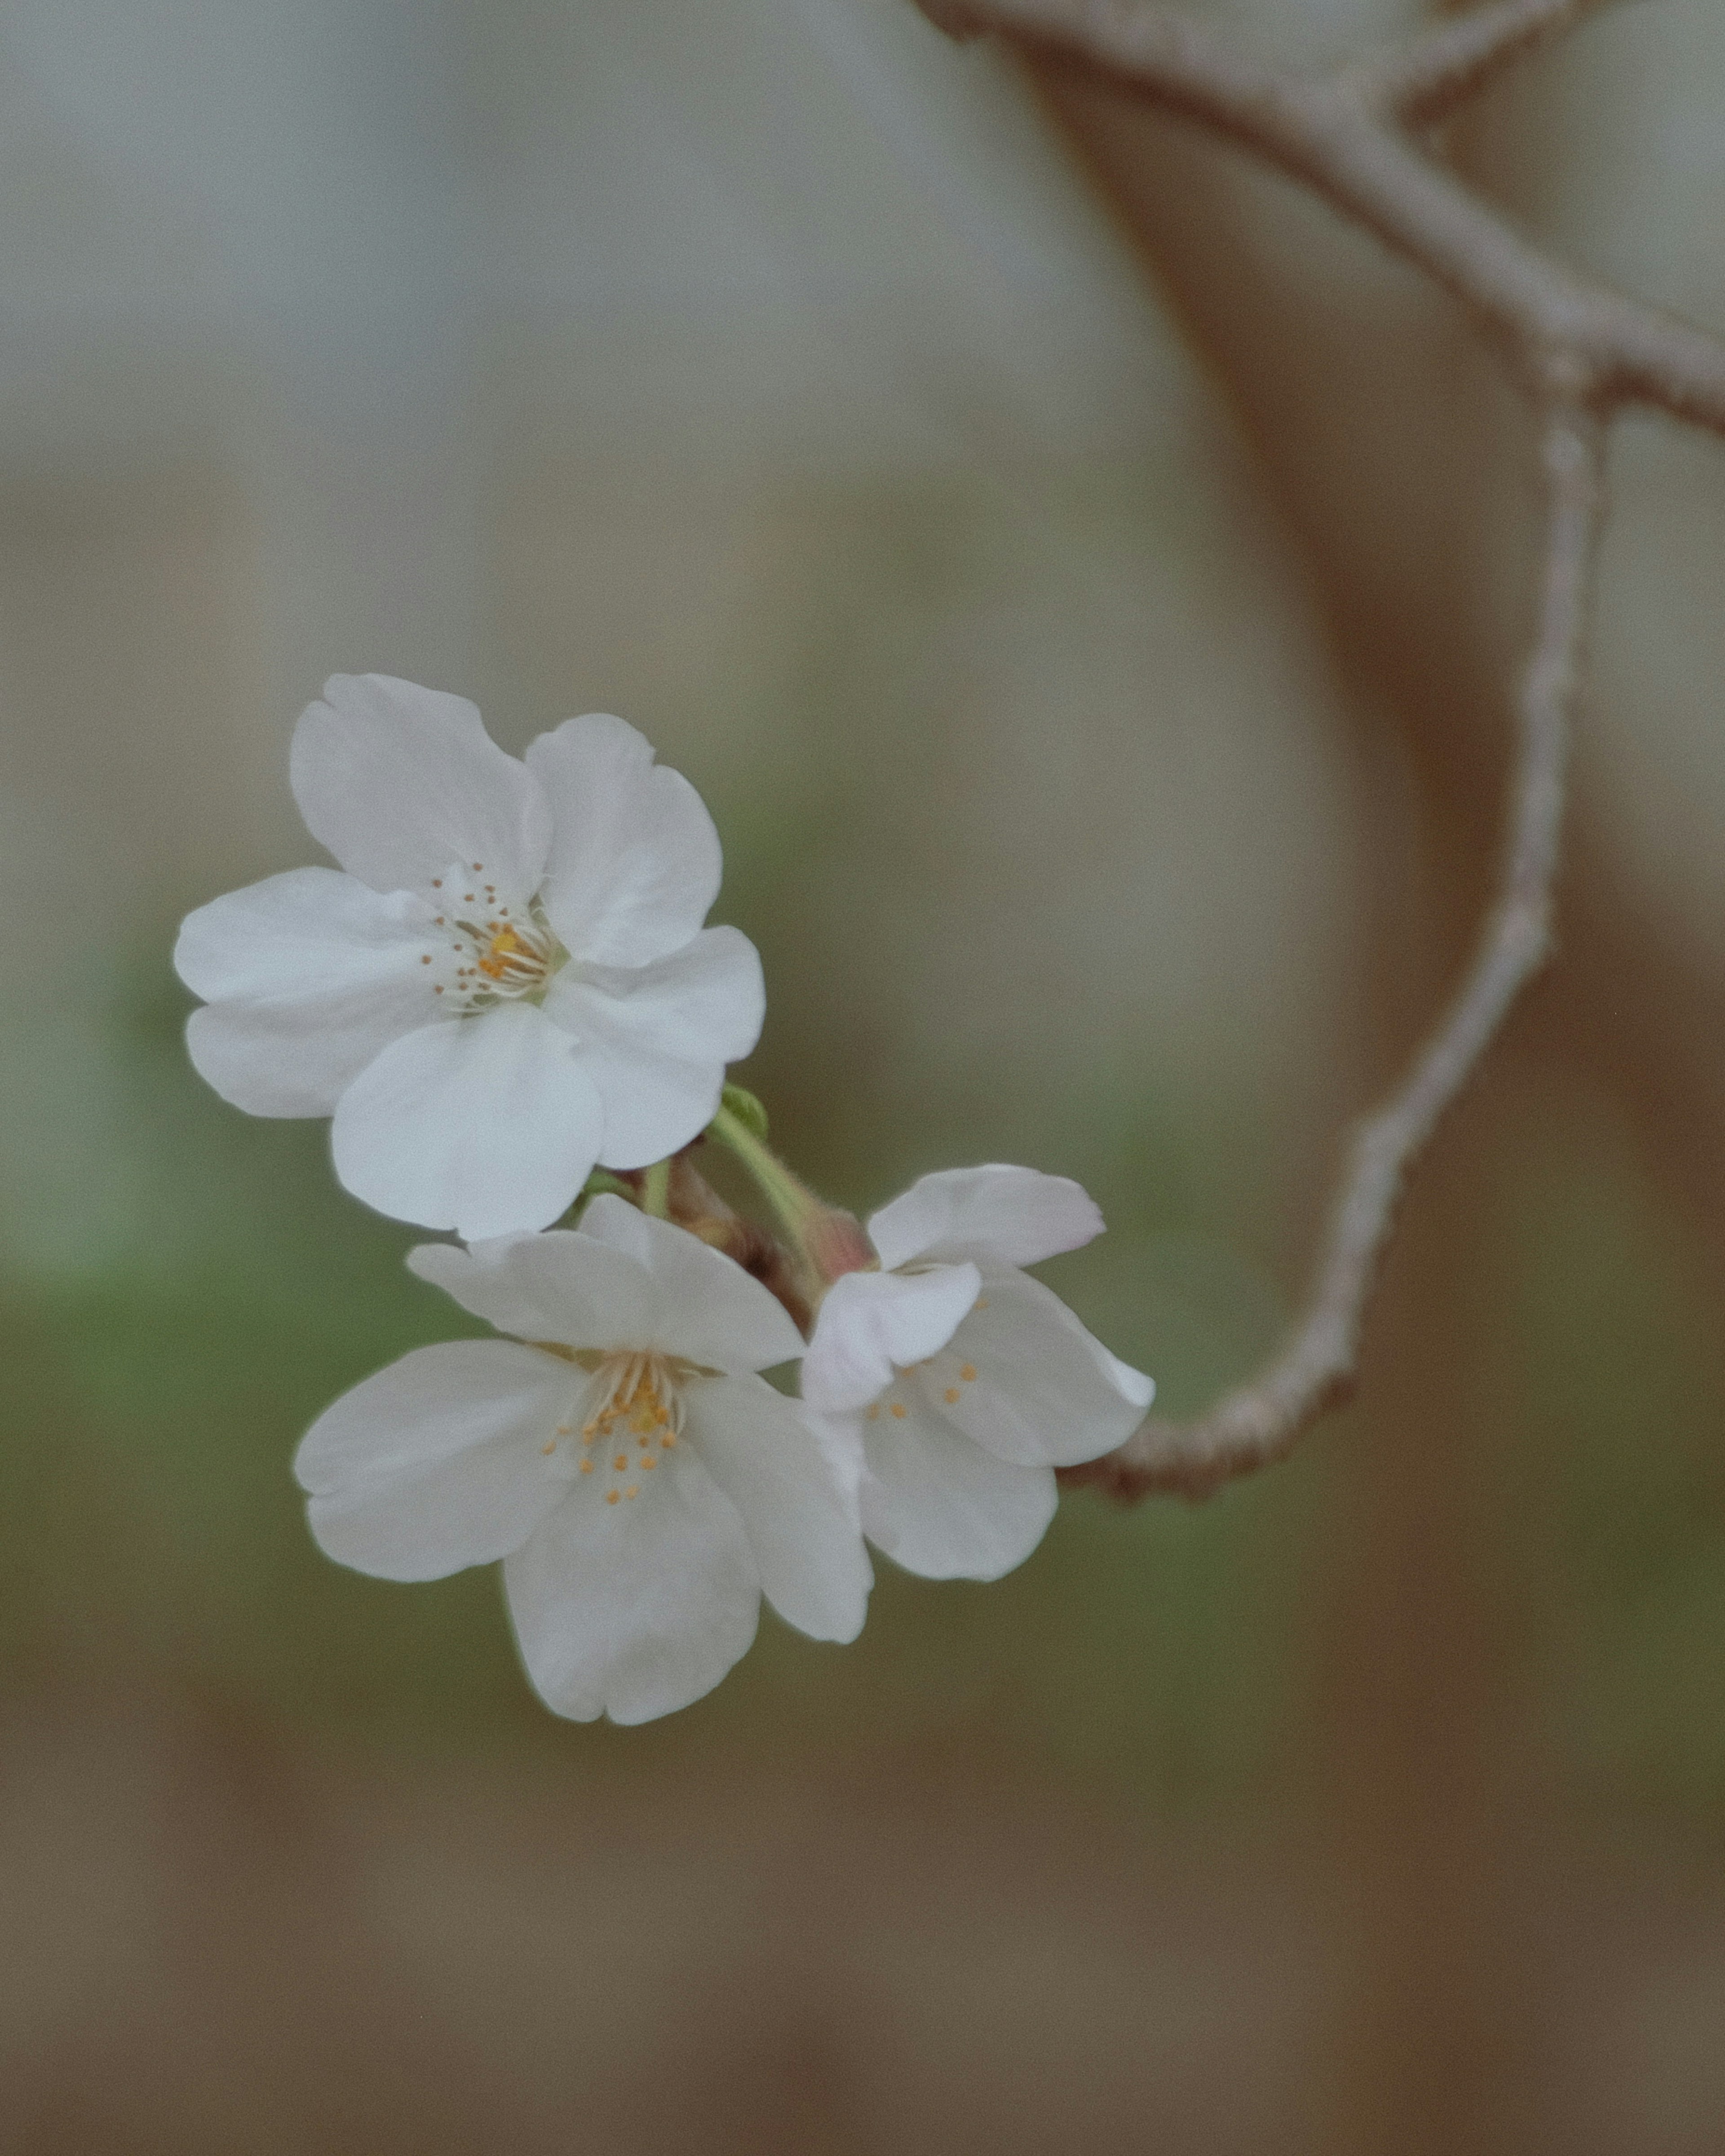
(1345, 136)
(1584, 351)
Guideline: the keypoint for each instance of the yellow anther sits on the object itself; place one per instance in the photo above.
(550, 1448)
(899, 1413)
(586, 1467)
(649, 1460)
(612, 1495)
(632, 1491)
(952, 1394)
(508, 953)
(621, 1462)
(874, 1413)
(667, 1440)
(982, 1303)
(968, 1373)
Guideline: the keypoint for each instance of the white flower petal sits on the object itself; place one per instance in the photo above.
(940, 1506)
(486, 1125)
(635, 1609)
(309, 975)
(1042, 1390)
(634, 859)
(872, 1323)
(554, 1286)
(1014, 1216)
(707, 1308)
(789, 1481)
(656, 1039)
(402, 783)
(437, 1462)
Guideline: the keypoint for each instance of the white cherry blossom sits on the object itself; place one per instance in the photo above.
(643, 1486)
(961, 1383)
(505, 982)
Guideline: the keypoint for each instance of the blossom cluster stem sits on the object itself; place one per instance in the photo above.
(794, 1204)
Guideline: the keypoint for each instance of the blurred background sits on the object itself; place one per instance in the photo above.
(1085, 584)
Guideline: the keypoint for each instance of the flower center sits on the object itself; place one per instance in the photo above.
(635, 1415)
(496, 951)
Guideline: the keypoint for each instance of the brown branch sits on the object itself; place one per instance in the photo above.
(1429, 76)
(1344, 137)
(1261, 1422)
(1585, 351)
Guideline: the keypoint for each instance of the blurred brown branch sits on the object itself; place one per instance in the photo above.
(1584, 351)
(1346, 136)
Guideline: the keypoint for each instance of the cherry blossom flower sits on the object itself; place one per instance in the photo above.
(643, 1486)
(507, 980)
(963, 1382)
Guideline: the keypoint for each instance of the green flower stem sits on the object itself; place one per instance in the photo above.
(795, 1204)
(655, 1190)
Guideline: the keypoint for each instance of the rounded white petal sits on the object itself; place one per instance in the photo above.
(1014, 1216)
(486, 1125)
(438, 1461)
(554, 1286)
(634, 1608)
(789, 1481)
(309, 974)
(400, 783)
(940, 1506)
(1032, 1385)
(872, 1324)
(634, 858)
(655, 1038)
(707, 1308)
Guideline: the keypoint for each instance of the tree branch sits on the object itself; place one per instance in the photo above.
(1344, 137)
(1422, 80)
(1261, 1422)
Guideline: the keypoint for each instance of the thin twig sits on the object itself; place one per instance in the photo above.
(1260, 1423)
(1337, 135)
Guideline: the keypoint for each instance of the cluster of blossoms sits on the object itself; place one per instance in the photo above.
(506, 1000)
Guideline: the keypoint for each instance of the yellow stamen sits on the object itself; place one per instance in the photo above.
(968, 1373)
(900, 1413)
(508, 953)
(952, 1394)
(612, 1495)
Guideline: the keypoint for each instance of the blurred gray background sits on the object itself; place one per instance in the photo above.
(782, 377)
